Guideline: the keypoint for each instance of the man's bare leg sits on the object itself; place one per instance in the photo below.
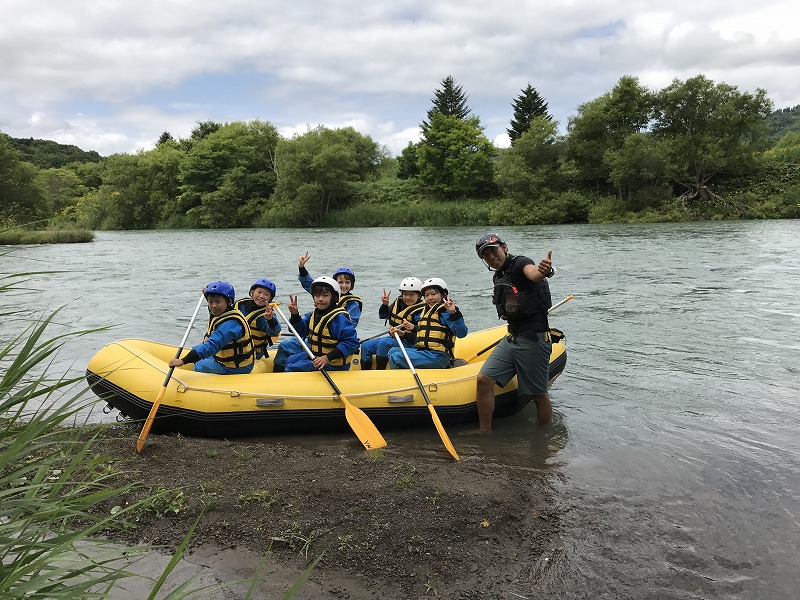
(484, 397)
(544, 409)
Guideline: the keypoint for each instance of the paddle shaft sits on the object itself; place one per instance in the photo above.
(375, 336)
(154, 409)
(493, 344)
(439, 427)
(366, 431)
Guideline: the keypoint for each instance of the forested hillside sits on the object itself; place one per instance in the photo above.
(783, 121)
(47, 154)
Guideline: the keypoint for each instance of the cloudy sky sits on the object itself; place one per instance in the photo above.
(112, 75)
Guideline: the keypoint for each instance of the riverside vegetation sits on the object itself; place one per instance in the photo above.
(694, 150)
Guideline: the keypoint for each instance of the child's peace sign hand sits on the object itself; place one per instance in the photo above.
(302, 260)
(268, 312)
(293, 305)
(450, 305)
(386, 296)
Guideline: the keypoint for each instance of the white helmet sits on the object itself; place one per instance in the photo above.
(411, 284)
(435, 282)
(329, 282)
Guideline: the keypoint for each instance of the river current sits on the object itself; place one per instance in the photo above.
(674, 452)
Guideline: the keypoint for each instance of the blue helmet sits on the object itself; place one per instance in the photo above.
(348, 273)
(222, 288)
(266, 284)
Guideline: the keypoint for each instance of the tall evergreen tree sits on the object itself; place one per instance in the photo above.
(164, 138)
(527, 106)
(449, 100)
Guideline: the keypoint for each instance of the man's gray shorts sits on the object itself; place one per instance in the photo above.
(526, 357)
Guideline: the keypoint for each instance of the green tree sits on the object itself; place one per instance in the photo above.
(527, 106)
(640, 171)
(455, 158)
(165, 137)
(787, 149)
(603, 124)
(237, 159)
(529, 170)
(407, 162)
(449, 100)
(317, 169)
(710, 129)
(126, 191)
(23, 200)
(203, 129)
(62, 187)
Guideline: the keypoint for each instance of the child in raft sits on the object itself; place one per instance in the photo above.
(402, 314)
(328, 331)
(227, 348)
(439, 323)
(264, 325)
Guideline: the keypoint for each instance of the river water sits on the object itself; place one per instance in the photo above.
(674, 452)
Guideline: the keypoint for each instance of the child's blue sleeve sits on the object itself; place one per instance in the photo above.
(458, 326)
(301, 327)
(354, 310)
(227, 332)
(306, 281)
(273, 327)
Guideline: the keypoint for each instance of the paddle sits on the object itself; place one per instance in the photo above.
(442, 433)
(152, 414)
(493, 344)
(357, 418)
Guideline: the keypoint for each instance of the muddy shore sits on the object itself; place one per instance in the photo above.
(389, 523)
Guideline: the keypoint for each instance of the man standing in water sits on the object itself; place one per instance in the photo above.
(522, 297)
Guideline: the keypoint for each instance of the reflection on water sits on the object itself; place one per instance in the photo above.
(673, 453)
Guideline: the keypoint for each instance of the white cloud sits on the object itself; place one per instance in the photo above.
(113, 76)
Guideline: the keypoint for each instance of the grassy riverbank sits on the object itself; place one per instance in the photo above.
(17, 237)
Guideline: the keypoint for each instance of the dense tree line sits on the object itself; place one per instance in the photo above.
(695, 149)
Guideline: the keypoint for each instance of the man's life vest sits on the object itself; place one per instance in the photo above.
(524, 303)
(320, 339)
(238, 353)
(432, 334)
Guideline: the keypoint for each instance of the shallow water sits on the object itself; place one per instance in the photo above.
(673, 452)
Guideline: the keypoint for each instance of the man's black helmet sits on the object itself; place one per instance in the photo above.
(487, 240)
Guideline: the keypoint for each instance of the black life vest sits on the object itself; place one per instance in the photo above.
(523, 303)
(320, 339)
(239, 352)
(251, 312)
(432, 334)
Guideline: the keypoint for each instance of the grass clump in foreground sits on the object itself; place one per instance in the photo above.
(49, 541)
(18, 237)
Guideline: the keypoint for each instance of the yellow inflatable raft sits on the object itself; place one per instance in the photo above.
(129, 374)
